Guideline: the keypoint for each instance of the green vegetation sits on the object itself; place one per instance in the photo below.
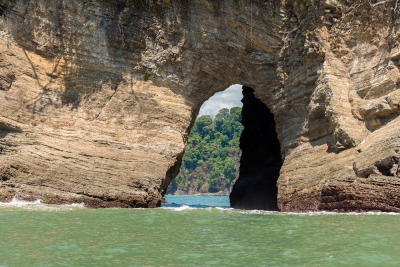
(211, 160)
(146, 77)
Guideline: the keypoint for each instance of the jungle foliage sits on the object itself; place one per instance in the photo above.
(211, 160)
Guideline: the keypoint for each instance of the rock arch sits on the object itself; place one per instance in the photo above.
(97, 97)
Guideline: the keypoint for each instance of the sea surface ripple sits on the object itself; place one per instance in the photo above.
(192, 231)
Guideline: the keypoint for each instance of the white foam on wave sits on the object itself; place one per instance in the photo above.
(331, 213)
(181, 208)
(316, 213)
(266, 212)
(186, 207)
(18, 203)
(220, 208)
(278, 213)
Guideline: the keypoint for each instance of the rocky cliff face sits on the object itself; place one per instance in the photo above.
(97, 97)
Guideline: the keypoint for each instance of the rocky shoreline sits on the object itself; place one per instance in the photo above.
(97, 98)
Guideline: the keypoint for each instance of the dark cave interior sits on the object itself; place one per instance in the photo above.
(261, 158)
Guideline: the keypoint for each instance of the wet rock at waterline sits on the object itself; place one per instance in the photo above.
(97, 97)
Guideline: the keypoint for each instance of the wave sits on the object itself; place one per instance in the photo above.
(317, 213)
(178, 208)
(184, 207)
(181, 207)
(19, 204)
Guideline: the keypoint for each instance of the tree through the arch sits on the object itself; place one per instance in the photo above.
(211, 160)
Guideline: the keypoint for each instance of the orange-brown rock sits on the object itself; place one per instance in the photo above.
(97, 97)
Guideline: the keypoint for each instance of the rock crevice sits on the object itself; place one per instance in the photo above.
(261, 158)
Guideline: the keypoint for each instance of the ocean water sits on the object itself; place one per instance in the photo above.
(193, 231)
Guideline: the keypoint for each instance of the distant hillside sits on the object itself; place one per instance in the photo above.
(211, 160)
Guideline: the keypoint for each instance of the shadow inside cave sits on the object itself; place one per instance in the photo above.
(261, 159)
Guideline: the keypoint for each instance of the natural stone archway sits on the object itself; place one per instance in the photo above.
(97, 97)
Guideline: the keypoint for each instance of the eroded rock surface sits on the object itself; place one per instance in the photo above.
(97, 97)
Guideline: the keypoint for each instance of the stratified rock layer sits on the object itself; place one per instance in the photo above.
(97, 97)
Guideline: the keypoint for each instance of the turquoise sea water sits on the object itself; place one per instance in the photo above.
(195, 231)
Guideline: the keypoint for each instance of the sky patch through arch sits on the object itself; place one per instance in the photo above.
(231, 97)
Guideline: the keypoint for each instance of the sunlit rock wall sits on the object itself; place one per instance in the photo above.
(97, 97)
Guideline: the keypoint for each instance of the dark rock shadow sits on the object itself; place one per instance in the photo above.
(261, 159)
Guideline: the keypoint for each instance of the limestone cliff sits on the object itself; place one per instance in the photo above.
(97, 97)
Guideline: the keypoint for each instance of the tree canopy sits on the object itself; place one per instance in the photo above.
(211, 160)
